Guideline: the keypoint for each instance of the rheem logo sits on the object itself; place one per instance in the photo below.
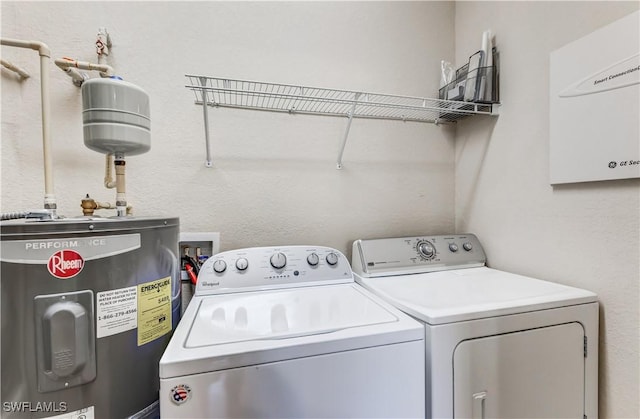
(65, 264)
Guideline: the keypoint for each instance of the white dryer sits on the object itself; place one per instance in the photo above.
(498, 345)
(285, 332)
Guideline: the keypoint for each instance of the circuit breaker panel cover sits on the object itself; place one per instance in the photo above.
(595, 105)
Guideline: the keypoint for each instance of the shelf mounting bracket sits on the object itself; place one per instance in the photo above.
(205, 111)
(346, 132)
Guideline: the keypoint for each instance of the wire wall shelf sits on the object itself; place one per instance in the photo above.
(244, 94)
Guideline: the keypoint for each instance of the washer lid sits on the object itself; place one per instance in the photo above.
(282, 314)
(224, 331)
(474, 293)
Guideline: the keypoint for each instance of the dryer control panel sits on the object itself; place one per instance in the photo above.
(410, 255)
(261, 268)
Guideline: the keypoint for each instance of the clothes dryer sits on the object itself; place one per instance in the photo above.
(497, 344)
(285, 332)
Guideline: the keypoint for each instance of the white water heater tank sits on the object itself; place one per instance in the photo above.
(115, 117)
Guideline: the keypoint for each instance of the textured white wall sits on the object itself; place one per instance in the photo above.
(274, 180)
(586, 235)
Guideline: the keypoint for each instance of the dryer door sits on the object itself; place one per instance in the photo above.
(537, 373)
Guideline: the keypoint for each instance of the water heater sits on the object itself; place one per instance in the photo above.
(88, 308)
(88, 304)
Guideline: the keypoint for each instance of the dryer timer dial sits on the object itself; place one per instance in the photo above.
(426, 249)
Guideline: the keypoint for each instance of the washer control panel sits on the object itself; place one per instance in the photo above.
(260, 268)
(408, 255)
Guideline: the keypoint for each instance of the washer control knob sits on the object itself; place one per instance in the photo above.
(332, 259)
(467, 246)
(219, 266)
(242, 264)
(313, 259)
(453, 247)
(278, 260)
(426, 249)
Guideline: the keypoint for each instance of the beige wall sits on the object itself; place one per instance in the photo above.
(275, 179)
(586, 235)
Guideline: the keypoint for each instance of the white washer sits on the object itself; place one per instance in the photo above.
(497, 344)
(286, 332)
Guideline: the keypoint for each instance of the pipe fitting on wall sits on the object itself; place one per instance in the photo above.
(10, 66)
(77, 78)
(103, 44)
(89, 206)
(104, 69)
(108, 172)
(41, 47)
(69, 65)
(121, 199)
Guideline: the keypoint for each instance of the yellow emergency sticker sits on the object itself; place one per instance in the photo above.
(154, 310)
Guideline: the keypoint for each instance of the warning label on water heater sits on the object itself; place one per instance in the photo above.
(117, 311)
(154, 310)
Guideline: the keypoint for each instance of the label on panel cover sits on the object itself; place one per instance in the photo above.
(154, 310)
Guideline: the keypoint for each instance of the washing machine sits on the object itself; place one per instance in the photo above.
(498, 345)
(285, 332)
